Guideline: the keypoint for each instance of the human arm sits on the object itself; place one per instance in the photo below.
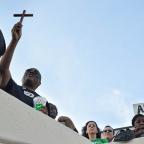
(138, 133)
(7, 57)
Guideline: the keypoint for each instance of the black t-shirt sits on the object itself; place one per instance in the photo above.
(23, 94)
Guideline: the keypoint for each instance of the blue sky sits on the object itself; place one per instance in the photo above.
(90, 54)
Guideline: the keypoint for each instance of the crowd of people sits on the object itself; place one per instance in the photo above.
(31, 81)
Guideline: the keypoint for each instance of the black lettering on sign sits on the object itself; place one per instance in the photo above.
(140, 109)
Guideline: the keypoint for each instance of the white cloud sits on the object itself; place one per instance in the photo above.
(116, 92)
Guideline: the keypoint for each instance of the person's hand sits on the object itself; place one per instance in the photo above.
(67, 121)
(17, 32)
(44, 110)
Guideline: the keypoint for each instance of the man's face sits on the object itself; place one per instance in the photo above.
(107, 133)
(32, 78)
(139, 123)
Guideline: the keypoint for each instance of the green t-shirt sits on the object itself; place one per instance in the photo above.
(99, 141)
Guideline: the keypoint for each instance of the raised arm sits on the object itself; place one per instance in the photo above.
(7, 57)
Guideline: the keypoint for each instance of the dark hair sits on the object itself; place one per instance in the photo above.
(50, 108)
(84, 129)
(108, 126)
(135, 117)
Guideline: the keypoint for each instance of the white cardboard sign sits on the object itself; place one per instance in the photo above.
(138, 108)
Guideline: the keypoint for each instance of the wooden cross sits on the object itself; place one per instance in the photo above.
(22, 15)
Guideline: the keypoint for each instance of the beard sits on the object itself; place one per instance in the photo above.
(28, 83)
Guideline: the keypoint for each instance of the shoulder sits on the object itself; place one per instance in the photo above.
(11, 84)
(104, 140)
(101, 140)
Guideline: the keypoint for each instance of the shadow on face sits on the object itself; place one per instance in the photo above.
(31, 78)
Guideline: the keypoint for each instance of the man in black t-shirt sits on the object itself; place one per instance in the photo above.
(24, 93)
(31, 79)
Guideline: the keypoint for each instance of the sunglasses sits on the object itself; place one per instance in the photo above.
(109, 131)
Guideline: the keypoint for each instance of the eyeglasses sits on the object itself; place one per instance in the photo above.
(109, 131)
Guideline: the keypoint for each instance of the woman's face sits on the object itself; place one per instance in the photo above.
(91, 128)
